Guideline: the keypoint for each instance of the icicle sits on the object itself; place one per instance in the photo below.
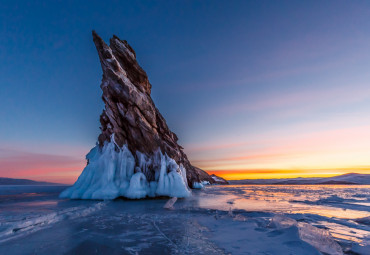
(110, 174)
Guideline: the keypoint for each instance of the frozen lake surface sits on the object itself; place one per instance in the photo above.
(236, 219)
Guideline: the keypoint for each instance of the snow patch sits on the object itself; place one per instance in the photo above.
(216, 179)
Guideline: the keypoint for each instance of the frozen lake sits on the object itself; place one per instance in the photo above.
(237, 219)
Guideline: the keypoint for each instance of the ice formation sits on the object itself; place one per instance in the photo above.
(137, 155)
(319, 238)
(169, 204)
(198, 185)
(111, 173)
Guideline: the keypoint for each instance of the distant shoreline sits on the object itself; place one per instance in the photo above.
(298, 184)
(345, 179)
(22, 182)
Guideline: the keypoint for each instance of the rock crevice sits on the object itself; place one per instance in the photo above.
(130, 113)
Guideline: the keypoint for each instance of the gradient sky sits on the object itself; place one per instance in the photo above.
(254, 89)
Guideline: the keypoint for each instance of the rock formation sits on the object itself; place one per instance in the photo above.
(219, 180)
(137, 155)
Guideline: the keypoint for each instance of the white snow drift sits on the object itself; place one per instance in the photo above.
(111, 173)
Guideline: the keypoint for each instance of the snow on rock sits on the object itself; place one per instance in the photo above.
(218, 179)
(205, 183)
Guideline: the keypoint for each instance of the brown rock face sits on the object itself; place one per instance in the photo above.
(130, 113)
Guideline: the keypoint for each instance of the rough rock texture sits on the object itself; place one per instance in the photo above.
(130, 113)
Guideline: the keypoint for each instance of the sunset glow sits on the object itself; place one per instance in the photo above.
(289, 99)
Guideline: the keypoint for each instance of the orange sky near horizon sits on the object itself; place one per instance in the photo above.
(308, 153)
(69, 176)
(328, 146)
(343, 150)
(311, 153)
(285, 173)
(252, 90)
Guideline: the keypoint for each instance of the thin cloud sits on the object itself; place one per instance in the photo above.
(305, 100)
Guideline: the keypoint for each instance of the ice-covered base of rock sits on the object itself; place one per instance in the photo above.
(198, 185)
(113, 172)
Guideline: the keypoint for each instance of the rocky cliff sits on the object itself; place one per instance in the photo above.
(130, 113)
(137, 155)
(219, 180)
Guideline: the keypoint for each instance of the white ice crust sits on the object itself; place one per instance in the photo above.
(111, 173)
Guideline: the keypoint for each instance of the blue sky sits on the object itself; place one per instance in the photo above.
(234, 79)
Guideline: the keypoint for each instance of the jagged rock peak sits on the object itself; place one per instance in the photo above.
(130, 114)
(137, 155)
(120, 55)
